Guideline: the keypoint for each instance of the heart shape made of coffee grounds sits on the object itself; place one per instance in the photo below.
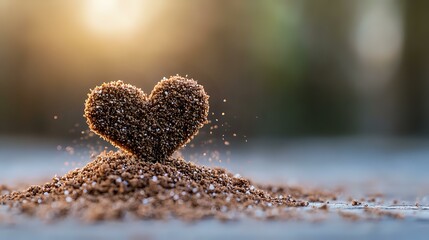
(152, 127)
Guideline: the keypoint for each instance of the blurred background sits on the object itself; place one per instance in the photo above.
(275, 69)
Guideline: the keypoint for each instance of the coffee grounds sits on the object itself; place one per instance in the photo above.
(375, 214)
(143, 181)
(132, 181)
(120, 186)
(4, 189)
(117, 185)
(152, 127)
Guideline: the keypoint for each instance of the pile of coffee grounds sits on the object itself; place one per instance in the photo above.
(118, 185)
(143, 181)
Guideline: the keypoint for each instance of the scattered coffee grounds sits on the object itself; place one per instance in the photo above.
(152, 127)
(118, 184)
(374, 213)
(4, 189)
(143, 181)
(324, 207)
(349, 216)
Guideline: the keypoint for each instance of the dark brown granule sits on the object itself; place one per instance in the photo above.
(4, 189)
(356, 203)
(152, 127)
(309, 195)
(324, 207)
(349, 216)
(375, 196)
(375, 213)
(117, 185)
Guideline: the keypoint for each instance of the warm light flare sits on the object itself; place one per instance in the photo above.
(115, 16)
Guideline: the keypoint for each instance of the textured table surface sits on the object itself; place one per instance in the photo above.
(396, 168)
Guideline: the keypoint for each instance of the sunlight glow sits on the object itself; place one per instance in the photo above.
(115, 16)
